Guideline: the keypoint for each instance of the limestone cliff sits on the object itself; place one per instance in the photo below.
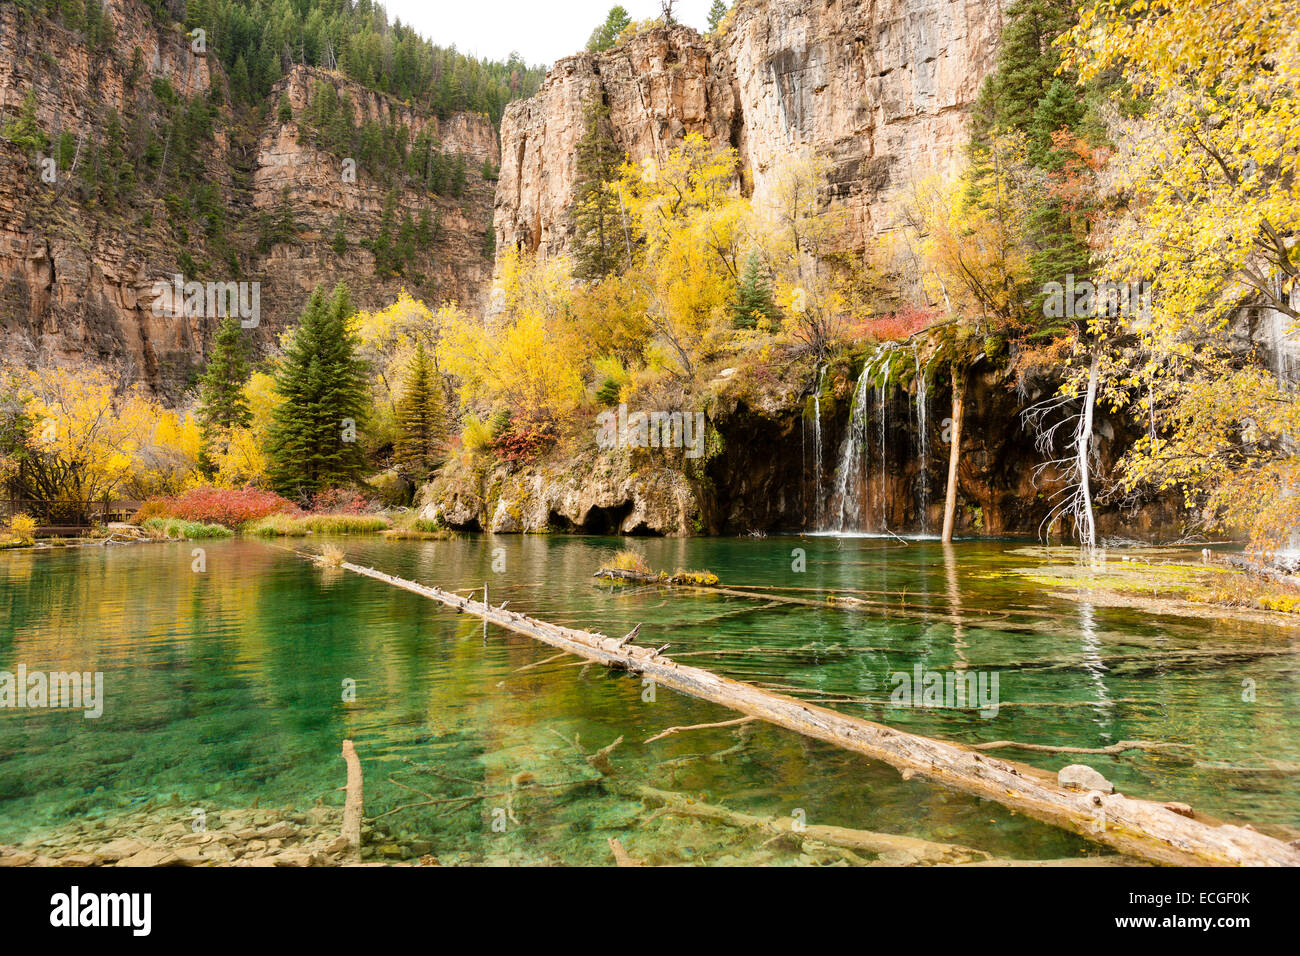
(880, 87)
(77, 269)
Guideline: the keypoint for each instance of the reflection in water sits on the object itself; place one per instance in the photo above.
(225, 687)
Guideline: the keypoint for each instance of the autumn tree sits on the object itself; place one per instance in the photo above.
(688, 224)
(1211, 176)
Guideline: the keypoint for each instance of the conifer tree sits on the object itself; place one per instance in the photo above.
(312, 442)
(221, 398)
(753, 296)
(599, 247)
(716, 13)
(421, 421)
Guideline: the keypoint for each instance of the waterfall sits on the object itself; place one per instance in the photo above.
(922, 444)
(882, 421)
(817, 449)
(854, 446)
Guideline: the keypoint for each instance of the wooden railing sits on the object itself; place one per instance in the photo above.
(67, 515)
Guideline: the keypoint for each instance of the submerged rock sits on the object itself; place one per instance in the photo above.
(1078, 776)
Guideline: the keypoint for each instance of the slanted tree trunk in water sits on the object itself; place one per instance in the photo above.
(1083, 518)
(1142, 828)
(954, 450)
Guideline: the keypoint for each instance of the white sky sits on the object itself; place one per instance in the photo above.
(541, 31)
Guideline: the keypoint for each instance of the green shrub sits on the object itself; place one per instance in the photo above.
(182, 530)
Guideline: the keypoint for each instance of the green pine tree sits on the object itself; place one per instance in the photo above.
(753, 296)
(716, 13)
(221, 396)
(606, 35)
(421, 421)
(312, 442)
(598, 246)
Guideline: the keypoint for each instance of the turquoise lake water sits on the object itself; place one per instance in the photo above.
(227, 686)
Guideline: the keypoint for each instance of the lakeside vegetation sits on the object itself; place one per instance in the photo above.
(1103, 148)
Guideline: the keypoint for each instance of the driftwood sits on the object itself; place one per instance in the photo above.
(1155, 746)
(352, 803)
(1135, 827)
(890, 847)
(677, 730)
(621, 856)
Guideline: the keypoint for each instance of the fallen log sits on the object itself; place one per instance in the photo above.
(352, 804)
(892, 848)
(1135, 827)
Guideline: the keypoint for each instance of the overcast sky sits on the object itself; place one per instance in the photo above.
(541, 31)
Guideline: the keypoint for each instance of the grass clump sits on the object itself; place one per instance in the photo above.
(296, 526)
(628, 560)
(178, 529)
(702, 579)
(331, 556)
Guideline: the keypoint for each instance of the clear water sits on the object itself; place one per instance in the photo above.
(226, 687)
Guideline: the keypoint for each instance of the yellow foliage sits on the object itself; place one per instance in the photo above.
(23, 528)
(92, 439)
(526, 360)
(1211, 173)
(239, 454)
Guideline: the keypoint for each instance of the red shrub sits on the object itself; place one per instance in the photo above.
(895, 326)
(523, 441)
(340, 501)
(226, 506)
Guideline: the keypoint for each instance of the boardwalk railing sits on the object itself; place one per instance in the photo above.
(68, 515)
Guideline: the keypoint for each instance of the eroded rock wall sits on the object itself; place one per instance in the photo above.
(881, 87)
(77, 275)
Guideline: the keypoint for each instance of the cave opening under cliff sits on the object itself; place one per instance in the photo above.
(597, 520)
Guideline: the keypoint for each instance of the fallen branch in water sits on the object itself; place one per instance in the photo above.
(891, 848)
(677, 730)
(352, 803)
(621, 856)
(1115, 748)
(1143, 828)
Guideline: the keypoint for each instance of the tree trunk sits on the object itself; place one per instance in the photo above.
(1084, 520)
(1139, 827)
(353, 802)
(954, 451)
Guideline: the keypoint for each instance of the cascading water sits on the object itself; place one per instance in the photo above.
(922, 444)
(817, 449)
(860, 494)
(848, 502)
(882, 425)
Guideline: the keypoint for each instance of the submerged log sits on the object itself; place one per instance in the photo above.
(353, 802)
(891, 847)
(1135, 827)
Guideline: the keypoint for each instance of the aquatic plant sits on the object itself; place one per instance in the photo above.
(182, 530)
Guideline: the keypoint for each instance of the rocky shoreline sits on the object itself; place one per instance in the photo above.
(252, 837)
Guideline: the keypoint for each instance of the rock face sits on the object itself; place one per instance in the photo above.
(77, 273)
(601, 496)
(880, 87)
